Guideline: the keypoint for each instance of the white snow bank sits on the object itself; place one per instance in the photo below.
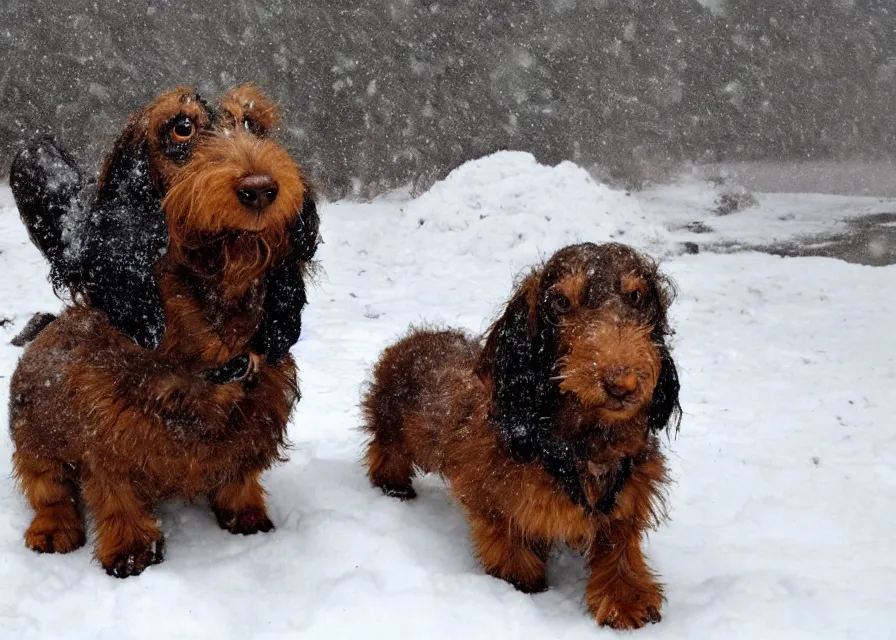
(504, 206)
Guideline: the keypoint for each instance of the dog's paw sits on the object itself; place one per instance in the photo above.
(55, 529)
(133, 561)
(538, 585)
(626, 620)
(37, 323)
(625, 607)
(246, 522)
(400, 491)
(55, 541)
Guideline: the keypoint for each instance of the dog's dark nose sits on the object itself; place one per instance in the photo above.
(256, 192)
(621, 386)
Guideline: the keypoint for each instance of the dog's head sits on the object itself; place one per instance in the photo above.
(236, 181)
(210, 170)
(215, 172)
(160, 139)
(587, 330)
(211, 167)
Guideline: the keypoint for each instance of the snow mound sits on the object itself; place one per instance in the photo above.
(507, 206)
(490, 219)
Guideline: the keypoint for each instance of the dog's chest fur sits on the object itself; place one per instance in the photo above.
(209, 320)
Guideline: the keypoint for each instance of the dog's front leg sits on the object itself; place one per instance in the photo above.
(505, 553)
(128, 535)
(622, 591)
(240, 506)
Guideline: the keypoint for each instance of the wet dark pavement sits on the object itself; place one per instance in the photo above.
(869, 240)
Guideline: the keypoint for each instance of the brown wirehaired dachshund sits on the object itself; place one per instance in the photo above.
(548, 432)
(93, 412)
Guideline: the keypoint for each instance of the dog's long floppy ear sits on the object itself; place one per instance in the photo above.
(126, 173)
(285, 297)
(48, 188)
(664, 411)
(123, 236)
(306, 237)
(517, 363)
(512, 363)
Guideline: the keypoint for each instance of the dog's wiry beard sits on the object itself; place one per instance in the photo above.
(589, 455)
(247, 256)
(232, 261)
(574, 421)
(200, 208)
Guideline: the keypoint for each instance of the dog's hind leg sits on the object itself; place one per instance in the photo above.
(128, 536)
(406, 406)
(389, 466)
(240, 507)
(57, 526)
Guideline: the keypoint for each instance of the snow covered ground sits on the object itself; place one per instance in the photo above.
(784, 509)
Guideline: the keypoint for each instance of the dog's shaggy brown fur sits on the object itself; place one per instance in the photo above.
(91, 412)
(549, 431)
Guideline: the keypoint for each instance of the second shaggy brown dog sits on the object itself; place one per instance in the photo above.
(548, 432)
(205, 413)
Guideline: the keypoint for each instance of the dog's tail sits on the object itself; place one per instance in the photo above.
(47, 186)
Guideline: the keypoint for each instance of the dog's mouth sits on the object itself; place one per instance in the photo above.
(619, 410)
(615, 411)
(620, 405)
(251, 224)
(615, 398)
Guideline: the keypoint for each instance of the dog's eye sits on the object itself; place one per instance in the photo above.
(560, 305)
(183, 130)
(247, 124)
(636, 297)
